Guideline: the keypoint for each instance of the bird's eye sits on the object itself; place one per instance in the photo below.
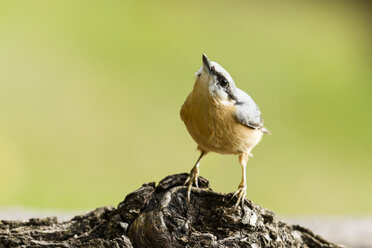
(223, 83)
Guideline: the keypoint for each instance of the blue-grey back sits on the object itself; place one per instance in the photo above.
(247, 111)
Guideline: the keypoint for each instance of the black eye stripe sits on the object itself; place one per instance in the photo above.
(224, 82)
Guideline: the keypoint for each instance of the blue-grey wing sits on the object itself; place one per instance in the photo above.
(247, 111)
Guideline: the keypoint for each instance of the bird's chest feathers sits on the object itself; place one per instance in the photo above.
(211, 112)
(210, 122)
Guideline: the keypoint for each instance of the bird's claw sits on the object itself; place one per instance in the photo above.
(240, 193)
(191, 179)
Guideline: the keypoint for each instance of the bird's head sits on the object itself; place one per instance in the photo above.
(217, 81)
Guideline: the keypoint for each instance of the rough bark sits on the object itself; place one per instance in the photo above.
(158, 216)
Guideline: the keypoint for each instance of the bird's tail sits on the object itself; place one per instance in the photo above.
(265, 130)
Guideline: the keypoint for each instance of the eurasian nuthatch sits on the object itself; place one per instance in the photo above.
(221, 118)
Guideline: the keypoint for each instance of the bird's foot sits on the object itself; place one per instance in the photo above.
(192, 179)
(240, 193)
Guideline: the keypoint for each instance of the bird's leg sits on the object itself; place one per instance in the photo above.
(193, 177)
(242, 189)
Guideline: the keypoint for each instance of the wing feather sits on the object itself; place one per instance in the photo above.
(247, 111)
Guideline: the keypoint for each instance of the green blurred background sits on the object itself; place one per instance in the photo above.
(90, 93)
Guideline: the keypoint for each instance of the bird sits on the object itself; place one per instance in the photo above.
(221, 118)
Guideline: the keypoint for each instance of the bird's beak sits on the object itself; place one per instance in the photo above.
(207, 64)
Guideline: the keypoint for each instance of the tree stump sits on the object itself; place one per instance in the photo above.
(159, 216)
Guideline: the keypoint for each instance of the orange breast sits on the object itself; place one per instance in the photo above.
(214, 127)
